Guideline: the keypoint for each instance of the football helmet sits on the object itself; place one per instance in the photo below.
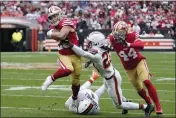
(96, 39)
(119, 26)
(85, 107)
(120, 30)
(55, 14)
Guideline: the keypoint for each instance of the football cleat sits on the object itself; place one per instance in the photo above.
(149, 109)
(124, 111)
(47, 83)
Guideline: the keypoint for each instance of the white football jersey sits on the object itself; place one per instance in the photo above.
(101, 60)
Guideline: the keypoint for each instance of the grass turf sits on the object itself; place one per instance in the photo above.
(30, 101)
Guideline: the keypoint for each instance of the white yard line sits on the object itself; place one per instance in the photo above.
(97, 81)
(166, 79)
(27, 108)
(64, 87)
(46, 96)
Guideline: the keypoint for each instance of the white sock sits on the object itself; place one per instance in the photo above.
(130, 106)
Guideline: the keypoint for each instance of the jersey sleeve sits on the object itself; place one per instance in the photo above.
(51, 27)
(67, 22)
(110, 39)
(83, 53)
(136, 36)
(137, 43)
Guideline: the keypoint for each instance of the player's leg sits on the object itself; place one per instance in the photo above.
(63, 71)
(133, 78)
(88, 83)
(124, 105)
(144, 77)
(76, 61)
(100, 91)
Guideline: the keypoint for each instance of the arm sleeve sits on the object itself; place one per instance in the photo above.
(83, 53)
(137, 44)
(86, 85)
(68, 22)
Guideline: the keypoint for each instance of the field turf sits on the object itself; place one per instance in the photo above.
(22, 74)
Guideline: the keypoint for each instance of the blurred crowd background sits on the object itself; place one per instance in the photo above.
(145, 17)
(151, 19)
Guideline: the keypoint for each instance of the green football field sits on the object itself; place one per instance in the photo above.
(22, 75)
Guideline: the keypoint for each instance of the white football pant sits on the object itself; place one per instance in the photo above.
(114, 90)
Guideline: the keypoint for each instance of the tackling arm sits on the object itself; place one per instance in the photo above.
(83, 53)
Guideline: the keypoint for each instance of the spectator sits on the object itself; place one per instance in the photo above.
(136, 28)
(41, 38)
(99, 15)
(94, 23)
(158, 34)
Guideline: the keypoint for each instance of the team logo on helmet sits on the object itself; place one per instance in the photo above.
(121, 25)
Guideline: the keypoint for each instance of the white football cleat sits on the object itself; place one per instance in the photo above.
(47, 83)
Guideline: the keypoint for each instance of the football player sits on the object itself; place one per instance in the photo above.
(127, 45)
(87, 99)
(100, 57)
(62, 30)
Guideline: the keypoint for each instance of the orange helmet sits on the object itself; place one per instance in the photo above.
(54, 15)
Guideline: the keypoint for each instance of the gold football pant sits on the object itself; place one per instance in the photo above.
(73, 63)
(139, 74)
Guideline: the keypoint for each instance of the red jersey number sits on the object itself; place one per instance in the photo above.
(126, 56)
(106, 60)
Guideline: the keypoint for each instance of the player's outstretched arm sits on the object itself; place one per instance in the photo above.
(83, 53)
(59, 35)
(137, 44)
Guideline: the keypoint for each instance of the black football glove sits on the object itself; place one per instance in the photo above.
(87, 64)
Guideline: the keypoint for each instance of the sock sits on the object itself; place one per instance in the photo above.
(143, 94)
(61, 73)
(152, 92)
(75, 90)
(130, 106)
